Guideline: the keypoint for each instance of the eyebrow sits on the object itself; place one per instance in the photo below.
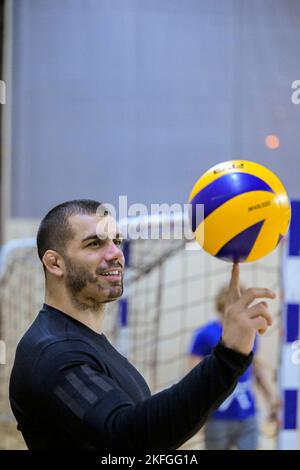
(94, 236)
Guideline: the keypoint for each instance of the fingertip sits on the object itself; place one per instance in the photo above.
(270, 294)
(262, 331)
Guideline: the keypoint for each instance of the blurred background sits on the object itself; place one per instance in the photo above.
(139, 97)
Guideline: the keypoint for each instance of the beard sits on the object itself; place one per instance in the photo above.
(87, 290)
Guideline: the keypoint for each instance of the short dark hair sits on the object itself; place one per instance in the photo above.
(55, 230)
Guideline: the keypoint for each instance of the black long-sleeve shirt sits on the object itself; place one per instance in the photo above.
(71, 389)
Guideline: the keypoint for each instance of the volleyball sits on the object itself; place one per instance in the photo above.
(245, 213)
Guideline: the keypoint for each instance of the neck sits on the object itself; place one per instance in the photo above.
(90, 315)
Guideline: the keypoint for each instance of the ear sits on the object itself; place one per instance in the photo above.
(53, 263)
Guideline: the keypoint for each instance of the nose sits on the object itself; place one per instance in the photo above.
(114, 252)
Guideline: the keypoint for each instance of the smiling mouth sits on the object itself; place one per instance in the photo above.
(113, 274)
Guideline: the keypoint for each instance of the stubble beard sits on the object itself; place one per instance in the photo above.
(79, 277)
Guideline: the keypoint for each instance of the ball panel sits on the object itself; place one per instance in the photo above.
(267, 175)
(285, 216)
(266, 241)
(214, 173)
(274, 182)
(222, 190)
(239, 247)
(234, 217)
(241, 166)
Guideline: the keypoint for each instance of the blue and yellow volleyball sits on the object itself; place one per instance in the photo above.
(246, 211)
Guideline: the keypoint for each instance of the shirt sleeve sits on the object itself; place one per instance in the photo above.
(82, 400)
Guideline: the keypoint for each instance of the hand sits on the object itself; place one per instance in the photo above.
(272, 424)
(241, 322)
(273, 409)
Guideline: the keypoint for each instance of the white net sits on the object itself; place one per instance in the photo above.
(169, 292)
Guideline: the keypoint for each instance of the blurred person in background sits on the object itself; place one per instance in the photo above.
(234, 423)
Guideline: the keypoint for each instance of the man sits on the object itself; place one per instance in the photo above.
(234, 423)
(70, 389)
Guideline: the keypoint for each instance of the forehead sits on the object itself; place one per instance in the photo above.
(85, 225)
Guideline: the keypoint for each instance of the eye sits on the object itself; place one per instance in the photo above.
(118, 241)
(95, 243)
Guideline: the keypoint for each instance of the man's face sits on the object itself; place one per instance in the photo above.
(94, 262)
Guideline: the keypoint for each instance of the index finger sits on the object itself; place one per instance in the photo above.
(256, 293)
(234, 285)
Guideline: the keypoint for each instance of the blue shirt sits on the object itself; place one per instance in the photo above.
(241, 403)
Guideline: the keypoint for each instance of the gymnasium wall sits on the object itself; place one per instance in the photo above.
(113, 97)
